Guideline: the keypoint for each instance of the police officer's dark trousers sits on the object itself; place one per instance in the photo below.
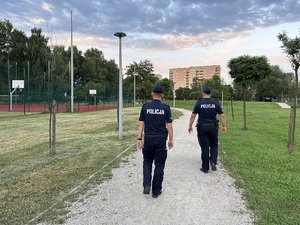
(208, 139)
(154, 150)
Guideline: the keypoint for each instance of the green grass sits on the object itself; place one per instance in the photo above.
(257, 158)
(32, 179)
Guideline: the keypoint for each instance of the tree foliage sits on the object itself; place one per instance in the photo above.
(246, 71)
(16, 50)
(145, 79)
(276, 86)
(291, 47)
(183, 93)
(167, 85)
(219, 91)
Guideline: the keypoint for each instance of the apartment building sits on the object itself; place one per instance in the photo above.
(183, 77)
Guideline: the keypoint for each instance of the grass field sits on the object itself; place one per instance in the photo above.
(32, 179)
(257, 158)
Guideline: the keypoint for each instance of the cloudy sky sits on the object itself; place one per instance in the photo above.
(169, 33)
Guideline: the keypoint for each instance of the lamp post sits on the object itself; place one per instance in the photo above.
(174, 95)
(134, 87)
(72, 67)
(120, 35)
(8, 78)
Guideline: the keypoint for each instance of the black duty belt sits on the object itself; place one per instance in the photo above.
(207, 124)
(155, 135)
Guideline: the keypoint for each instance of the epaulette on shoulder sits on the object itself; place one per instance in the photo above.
(145, 103)
(166, 105)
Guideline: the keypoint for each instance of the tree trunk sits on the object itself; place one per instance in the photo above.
(292, 123)
(291, 132)
(244, 110)
(53, 136)
(232, 114)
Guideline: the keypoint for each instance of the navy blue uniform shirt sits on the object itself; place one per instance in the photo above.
(207, 109)
(155, 115)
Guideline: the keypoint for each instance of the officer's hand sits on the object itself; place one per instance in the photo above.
(139, 144)
(170, 144)
(190, 129)
(223, 130)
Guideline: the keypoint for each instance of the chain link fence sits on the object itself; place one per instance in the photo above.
(40, 89)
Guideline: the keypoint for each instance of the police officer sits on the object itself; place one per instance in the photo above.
(207, 128)
(154, 117)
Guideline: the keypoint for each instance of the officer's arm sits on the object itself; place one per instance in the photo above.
(170, 131)
(140, 129)
(223, 120)
(192, 119)
(139, 142)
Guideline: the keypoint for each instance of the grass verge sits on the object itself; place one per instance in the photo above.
(258, 160)
(33, 180)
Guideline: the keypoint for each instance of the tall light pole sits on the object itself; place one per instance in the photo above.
(134, 88)
(120, 35)
(174, 95)
(8, 78)
(72, 66)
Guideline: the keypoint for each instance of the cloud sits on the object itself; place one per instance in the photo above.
(47, 6)
(176, 19)
(167, 23)
(36, 21)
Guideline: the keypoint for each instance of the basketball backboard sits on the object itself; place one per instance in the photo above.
(93, 92)
(18, 84)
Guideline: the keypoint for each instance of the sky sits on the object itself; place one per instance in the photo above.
(169, 33)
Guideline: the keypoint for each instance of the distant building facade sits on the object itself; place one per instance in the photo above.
(183, 77)
(158, 75)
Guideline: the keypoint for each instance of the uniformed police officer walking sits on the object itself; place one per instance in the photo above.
(154, 117)
(207, 128)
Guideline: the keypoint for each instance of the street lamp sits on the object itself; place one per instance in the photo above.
(134, 88)
(72, 67)
(7, 47)
(174, 95)
(120, 35)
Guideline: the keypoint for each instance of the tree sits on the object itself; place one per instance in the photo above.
(38, 53)
(60, 71)
(167, 85)
(183, 93)
(19, 43)
(5, 36)
(111, 78)
(145, 79)
(94, 66)
(247, 70)
(217, 89)
(291, 47)
(78, 61)
(275, 86)
(5, 49)
(196, 88)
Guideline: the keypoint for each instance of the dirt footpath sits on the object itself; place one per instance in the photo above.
(189, 196)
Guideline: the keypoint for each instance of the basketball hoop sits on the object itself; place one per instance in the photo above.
(18, 84)
(15, 85)
(93, 92)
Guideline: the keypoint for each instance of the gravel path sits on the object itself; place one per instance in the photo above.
(284, 105)
(189, 196)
